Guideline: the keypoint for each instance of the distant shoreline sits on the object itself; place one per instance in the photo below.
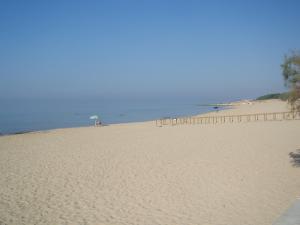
(215, 107)
(217, 104)
(129, 122)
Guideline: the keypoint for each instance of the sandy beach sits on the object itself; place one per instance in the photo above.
(141, 174)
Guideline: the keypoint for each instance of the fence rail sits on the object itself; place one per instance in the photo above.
(276, 116)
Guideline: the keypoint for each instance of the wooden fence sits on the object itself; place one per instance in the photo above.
(276, 116)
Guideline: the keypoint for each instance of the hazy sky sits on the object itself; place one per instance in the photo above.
(145, 48)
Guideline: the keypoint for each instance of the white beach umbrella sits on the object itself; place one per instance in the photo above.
(94, 117)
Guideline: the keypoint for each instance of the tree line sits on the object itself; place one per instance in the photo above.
(291, 75)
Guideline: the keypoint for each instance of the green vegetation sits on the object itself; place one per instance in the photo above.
(291, 74)
(283, 96)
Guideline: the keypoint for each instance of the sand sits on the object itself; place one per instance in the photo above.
(138, 173)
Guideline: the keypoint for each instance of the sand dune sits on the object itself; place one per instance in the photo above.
(141, 174)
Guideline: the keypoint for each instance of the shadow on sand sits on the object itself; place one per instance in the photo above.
(295, 158)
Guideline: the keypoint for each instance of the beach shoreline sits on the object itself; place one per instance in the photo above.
(221, 107)
(18, 132)
(138, 173)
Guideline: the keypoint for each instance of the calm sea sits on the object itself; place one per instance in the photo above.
(31, 115)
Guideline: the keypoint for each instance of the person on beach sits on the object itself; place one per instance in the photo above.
(96, 120)
(97, 123)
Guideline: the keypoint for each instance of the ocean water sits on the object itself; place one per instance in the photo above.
(40, 114)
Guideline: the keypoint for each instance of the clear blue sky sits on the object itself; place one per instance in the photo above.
(145, 48)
